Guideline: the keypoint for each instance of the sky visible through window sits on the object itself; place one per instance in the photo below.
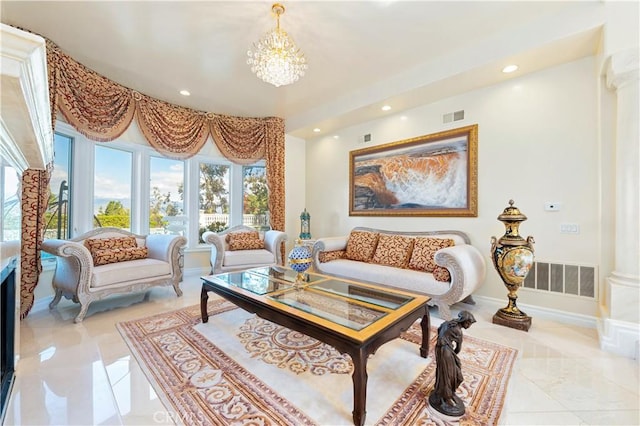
(112, 181)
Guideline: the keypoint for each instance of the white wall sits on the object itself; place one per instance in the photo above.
(538, 141)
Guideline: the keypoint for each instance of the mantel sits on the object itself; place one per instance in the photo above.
(25, 116)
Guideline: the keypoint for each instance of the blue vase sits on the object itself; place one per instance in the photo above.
(300, 260)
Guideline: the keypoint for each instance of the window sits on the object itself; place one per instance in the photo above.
(58, 214)
(10, 208)
(128, 185)
(255, 197)
(112, 188)
(166, 189)
(213, 198)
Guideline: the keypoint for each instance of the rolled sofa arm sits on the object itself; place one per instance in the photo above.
(327, 244)
(273, 242)
(166, 247)
(217, 249)
(467, 268)
(74, 265)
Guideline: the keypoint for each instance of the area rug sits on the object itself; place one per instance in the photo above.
(239, 369)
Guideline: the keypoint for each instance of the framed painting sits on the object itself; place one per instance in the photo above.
(431, 175)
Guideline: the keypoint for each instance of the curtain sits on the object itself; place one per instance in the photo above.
(33, 202)
(102, 110)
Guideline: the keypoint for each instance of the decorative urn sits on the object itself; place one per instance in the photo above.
(300, 260)
(512, 257)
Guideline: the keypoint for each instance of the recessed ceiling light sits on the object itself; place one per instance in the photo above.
(185, 93)
(316, 130)
(509, 68)
(386, 108)
(403, 118)
(336, 136)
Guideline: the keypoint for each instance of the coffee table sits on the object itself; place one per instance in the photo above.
(354, 317)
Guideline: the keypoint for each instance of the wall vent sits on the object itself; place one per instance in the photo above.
(365, 138)
(453, 116)
(565, 278)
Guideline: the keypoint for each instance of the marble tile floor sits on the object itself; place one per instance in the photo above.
(84, 374)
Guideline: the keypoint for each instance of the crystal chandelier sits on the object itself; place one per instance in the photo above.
(276, 59)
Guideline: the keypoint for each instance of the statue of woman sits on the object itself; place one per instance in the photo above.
(448, 366)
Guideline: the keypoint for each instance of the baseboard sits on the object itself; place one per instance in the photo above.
(619, 337)
(42, 304)
(564, 317)
(196, 272)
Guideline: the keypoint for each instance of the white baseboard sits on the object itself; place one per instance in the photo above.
(42, 304)
(564, 317)
(619, 337)
(196, 272)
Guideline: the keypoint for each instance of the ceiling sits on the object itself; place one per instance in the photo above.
(361, 54)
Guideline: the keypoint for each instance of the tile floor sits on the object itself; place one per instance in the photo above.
(83, 374)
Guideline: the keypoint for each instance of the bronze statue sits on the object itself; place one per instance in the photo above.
(448, 366)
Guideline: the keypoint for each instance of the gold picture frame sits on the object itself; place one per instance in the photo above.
(430, 175)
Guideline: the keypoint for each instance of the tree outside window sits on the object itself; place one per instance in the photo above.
(255, 197)
(213, 198)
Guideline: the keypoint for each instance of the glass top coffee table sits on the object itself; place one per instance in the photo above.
(355, 318)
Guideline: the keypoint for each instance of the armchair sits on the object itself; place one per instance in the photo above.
(223, 259)
(85, 275)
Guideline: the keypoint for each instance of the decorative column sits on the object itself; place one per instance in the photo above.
(621, 328)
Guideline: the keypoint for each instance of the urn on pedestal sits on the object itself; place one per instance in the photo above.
(512, 257)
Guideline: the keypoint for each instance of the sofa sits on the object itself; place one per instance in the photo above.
(247, 250)
(109, 261)
(440, 264)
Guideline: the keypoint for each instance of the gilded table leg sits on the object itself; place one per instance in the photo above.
(425, 324)
(204, 298)
(359, 359)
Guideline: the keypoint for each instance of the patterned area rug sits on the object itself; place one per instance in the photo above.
(240, 369)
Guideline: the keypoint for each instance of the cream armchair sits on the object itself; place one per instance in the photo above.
(77, 277)
(223, 259)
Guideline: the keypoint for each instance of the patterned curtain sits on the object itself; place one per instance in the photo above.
(102, 110)
(34, 198)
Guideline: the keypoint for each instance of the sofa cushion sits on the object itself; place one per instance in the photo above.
(361, 245)
(328, 256)
(124, 272)
(248, 244)
(244, 240)
(424, 248)
(393, 250)
(110, 243)
(405, 279)
(248, 257)
(242, 236)
(103, 257)
(441, 274)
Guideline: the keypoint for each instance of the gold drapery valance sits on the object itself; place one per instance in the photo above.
(102, 110)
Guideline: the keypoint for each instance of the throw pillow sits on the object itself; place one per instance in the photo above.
(361, 245)
(424, 249)
(328, 256)
(393, 250)
(242, 236)
(110, 243)
(103, 257)
(248, 244)
(441, 274)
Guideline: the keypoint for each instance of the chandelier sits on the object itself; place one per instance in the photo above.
(276, 59)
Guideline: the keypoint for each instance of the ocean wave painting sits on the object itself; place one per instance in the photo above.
(414, 175)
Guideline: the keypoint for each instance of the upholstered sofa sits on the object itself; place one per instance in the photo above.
(108, 261)
(225, 257)
(441, 264)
